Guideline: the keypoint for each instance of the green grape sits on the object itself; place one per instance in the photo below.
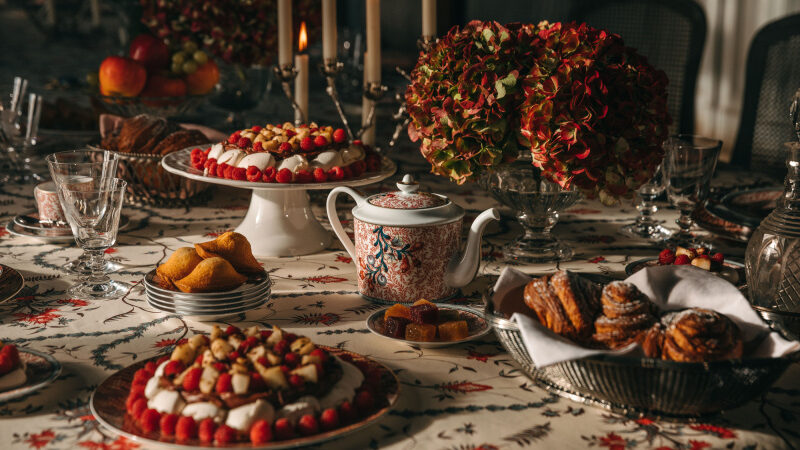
(177, 68)
(189, 67)
(92, 79)
(189, 47)
(178, 58)
(200, 57)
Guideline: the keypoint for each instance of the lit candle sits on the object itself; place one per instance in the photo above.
(429, 18)
(372, 64)
(329, 42)
(366, 104)
(284, 32)
(301, 82)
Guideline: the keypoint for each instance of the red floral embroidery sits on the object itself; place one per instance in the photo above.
(344, 259)
(73, 302)
(482, 357)
(613, 441)
(326, 279)
(3, 232)
(40, 440)
(43, 318)
(88, 418)
(464, 387)
(644, 421)
(164, 343)
(110, 251)
(120, 444)
(487, 447)
(720, 432)
(698, 445)
(597, 260)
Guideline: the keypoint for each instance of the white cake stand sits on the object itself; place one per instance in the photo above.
(279, 221)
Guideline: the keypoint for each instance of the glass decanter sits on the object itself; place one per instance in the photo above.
(772, 259)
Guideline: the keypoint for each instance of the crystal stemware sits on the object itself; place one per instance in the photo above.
(645, 226)
(688, 166)
(21, 133)
(92, 207)
(70, 165)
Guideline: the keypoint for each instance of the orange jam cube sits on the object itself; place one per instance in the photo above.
(398, 310)
(453, 331)
(420, 332)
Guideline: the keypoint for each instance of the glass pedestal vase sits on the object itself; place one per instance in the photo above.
(536, 203)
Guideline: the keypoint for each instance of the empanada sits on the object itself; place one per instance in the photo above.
(177, 266)
(235, 248)
(211, 275)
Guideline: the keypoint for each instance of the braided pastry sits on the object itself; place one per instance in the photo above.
(700, 335)
(564, 302)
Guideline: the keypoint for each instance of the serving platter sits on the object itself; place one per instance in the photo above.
(111, 393)
(476, 322)
(41, 370)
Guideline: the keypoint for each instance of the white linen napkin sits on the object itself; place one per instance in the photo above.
(669, 287)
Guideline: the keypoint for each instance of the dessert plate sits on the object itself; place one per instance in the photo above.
(41, 370)
(732, 271)
(51, 234)
(164, 305)
(252, 286)
(218, 304)
(751, 206)
(476, 322)
(11, 282)
(107, 398)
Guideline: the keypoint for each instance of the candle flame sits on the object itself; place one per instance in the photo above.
(302, 42)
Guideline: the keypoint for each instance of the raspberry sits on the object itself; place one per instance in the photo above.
(364, 401)
(248, 343)
(281, 347)
(206, 430)
(234, 138)
(138, 407)
(137, 389)
(285, 147)
(220, 367)
(269, 175)
(339, 136)
(320, 141)
(232, 356)
(199, 360)
(260, 432)
(256, 382)
(256, 128)
(244, 142)
(141, 376)
(303, 176)
(284, 176)
(347, 411)
(319, 175)
(258, 147)
(225, 435)
(192, 379)
(221, 169)
(718, 258)
(231, 330)
(265, 334)
(291, 359)
(285, 369)
(263, 361)
(199, 161)
(185, 429)
(290, 133)
(348, 172)
(357, 142)
(358, 167)
(173, 368)
(253, 174)
(149, 421)
(335, 173)
(320, 353)
(373, 162)
(195, 152)
(212, 168)
(280, 125)
(224, 383)
(239, 173)
(307, 144)
(167, 424)
(229, 172)
(308, 425)
(666, 257)
(132, 398)
(296, 381)
(329, 419)
(208, 162)
(283, 429)
(682, 260)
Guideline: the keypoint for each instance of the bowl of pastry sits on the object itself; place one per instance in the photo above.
(210, 280)
(655, 351)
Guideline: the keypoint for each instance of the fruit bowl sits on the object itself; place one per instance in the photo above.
(156, 106)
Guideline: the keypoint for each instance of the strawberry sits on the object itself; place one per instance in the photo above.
(364, 401)
(281, 347)
(284, 176)
(141, 376)
(260, 432)
(173, 368)
(283, 429)
(132, 399)
(320, 353)
(348, 172)
(373, 162)
(718, 258)
(228, 172)
(319, 175)
(339, 136)
(253, 174)
(308, 425)
(296, 381)
(320, 142)
(149, 421)
(192, 379)
(138, 407)
(206, 430)
(307, 144)
(6, 364)
(285, 147)
(666, 257)
(269, 175)
(347, 411)
(243, 142)
(291, 359)
(168, 423)
(329, 419)
(256, 128)
(225, 435)
(258, 147)
(335, 173)
(239, 173)
(185, 429)
(234, 138)
(682, 260)
(224, 383)
(232, 330)
(303, 176)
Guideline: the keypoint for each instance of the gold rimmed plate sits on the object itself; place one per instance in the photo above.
(41, 369)
(477, 325)
(11, 282)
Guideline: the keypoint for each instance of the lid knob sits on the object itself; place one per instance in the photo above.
(408, 185)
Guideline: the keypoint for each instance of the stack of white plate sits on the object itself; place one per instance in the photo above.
(208, 306)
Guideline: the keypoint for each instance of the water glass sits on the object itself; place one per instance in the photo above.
(689, 165)
(20, 130)
(92, 207)
(645, 226)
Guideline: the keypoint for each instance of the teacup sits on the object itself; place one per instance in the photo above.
(47, 202)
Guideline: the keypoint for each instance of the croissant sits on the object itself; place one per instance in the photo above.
(235, 248)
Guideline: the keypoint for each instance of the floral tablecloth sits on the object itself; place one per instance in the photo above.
(463, 397)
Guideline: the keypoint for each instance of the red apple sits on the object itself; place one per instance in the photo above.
(161, 86)
(150, 52)
(203, 80)
(121, 76)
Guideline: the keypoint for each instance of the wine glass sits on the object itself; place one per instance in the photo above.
(92, 207)
(71, 165)
(688, 166)
(645, 226)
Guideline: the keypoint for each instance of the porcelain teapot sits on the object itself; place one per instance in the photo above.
(408, 243)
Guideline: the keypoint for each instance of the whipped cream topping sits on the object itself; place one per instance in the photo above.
(242, 417)
(16, 377)
(168, 402)
(327, 159)
(345, 389)
(303, 405)
(160, 369)
(216, 151)
(262, 160)
(201, 410)
(352, 153)
(231, 157)
(152, 388)
(295, 163)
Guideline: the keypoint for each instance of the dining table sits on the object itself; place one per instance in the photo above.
(467, 396)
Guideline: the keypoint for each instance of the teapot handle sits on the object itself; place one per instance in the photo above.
(333, 218)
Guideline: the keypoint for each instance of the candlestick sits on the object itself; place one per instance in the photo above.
(372, 93)
(372, 58)
(285, 74)
(285, 32)
(429, 18)
(301, 82)
(330, 68)
(329, 39)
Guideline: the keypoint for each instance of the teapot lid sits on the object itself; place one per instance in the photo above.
(407, 197)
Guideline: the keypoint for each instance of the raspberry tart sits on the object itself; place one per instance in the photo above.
(286, 153)
(12, 369)
(252, 385)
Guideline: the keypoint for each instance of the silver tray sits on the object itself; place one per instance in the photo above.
(646, 386)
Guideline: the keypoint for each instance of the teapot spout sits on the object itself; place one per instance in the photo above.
(462, 268)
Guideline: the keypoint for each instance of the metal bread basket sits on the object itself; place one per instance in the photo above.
(646, 386)
(150, 185)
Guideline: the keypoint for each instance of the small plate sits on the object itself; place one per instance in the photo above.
(47, 234)
(476, 322)
(205, 316)
(111, 393)
(11, 282)
(164, 305)
(252, 285)
(732, 271)
(216, 303)
(752, 205)
(41, 369)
